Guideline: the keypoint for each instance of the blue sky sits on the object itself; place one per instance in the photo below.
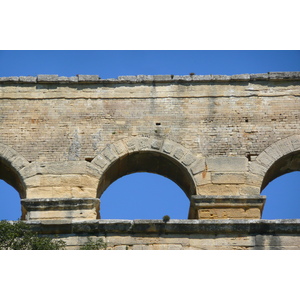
(126, 198)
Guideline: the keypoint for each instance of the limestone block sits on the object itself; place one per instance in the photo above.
(198, 166)
(219, 189)
(33, 181)
(162, 77)
(61, 215)
(61, 192)
(88, 78)
(249, 190)
(50, 180)
(70, 180)
(229, 213)
(188, 159)
(100, 161)
(39, 192)
(203, 178)
(227, 164)
(19, 163)
(83, 192)
(167, 247)
(235, 178)
(47, 78)
(28, 79)
(253, 179)
(257, 168)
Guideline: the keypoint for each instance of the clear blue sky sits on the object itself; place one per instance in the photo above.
(126, 198)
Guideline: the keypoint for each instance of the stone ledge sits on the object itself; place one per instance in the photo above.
(228, 201)
(145, 227)
(59, 203)
(85, 79)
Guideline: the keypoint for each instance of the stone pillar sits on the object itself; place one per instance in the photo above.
(226, 207)
(60, 208)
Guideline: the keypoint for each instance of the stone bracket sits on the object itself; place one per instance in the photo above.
(60, 208)
(226, 207)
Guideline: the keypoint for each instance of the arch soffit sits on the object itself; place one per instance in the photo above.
(168, 148)
(273, 153)
(12, 157)
(16, 163)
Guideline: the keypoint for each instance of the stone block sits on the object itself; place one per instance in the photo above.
(9, 79)
(127, 78)
(162, 77)
(109, 154)
(257, 168)
(262, 76)
(39, 192)
(219, 189)
(83, 192)
(227, 164)
(61, 192)
(47, 78)
(142, 78)
(240, 77)
(88, 78)
(203, 178)
(198, 166)
(188, 159)
(32, 79)
(182, 78)
(232, 178)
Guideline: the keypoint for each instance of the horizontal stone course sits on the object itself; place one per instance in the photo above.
(153, 78)
(262, 227)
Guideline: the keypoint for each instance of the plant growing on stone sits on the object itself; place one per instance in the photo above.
(19, 236)
(99, 244)
(166, 218)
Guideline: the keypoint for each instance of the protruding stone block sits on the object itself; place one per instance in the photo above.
(32, 79)
(47, 78)
(227, 164)
(88, 78)
(60, 208)
(226, 207)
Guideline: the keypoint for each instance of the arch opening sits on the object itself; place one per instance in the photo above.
(283, 197)
(286, 164)
(149, 162)
(10, 208)
(281, 186)
(144, 196)
(12, 177)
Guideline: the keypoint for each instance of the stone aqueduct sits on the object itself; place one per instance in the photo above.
(222, 139)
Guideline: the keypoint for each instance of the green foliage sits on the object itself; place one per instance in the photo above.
(94, 245)
(166, 218)
(19, 236)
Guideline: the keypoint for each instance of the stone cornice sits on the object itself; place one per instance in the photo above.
(92, 79)
(144, 227)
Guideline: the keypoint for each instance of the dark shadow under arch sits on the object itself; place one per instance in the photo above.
(12, 177)
(151, 162)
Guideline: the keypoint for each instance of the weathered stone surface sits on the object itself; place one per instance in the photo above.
(176, 234)
(47, 78)
(28, 79)
(227, 164)
(236, 178)
(88, 78)
(214, 135)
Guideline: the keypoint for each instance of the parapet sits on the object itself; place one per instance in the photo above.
(153, 78)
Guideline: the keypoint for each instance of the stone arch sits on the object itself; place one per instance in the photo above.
(278, 159)
(143, 154)
(11, 164)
